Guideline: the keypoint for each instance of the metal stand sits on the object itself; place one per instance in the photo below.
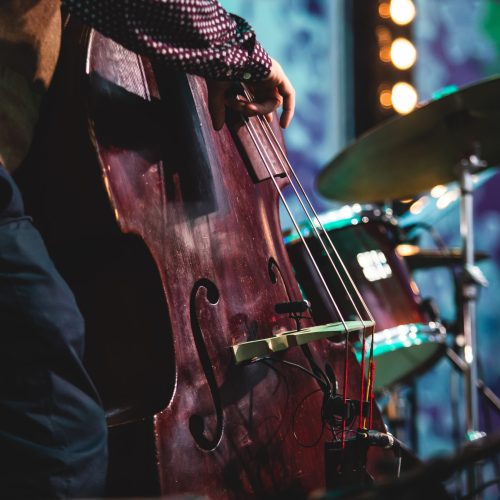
(472, 277)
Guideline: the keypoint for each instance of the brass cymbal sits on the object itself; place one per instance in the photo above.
(410, 154)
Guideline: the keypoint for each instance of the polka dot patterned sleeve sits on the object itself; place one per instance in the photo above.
(195, 36)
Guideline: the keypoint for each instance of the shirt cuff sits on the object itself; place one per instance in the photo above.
(256, 68)
(249, 63)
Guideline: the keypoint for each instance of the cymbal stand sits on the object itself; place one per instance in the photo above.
(472, 277)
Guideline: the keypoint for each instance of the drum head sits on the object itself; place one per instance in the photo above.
(404, 351)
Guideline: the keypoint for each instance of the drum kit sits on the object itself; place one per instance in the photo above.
(451, 139)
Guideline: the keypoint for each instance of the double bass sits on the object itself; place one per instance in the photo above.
(213, 377)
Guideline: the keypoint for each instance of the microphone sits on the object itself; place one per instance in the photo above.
(381, 439)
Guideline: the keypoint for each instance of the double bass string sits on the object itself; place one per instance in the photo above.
(280, 155)
(270, 134)
(255, 140)
(296, 225)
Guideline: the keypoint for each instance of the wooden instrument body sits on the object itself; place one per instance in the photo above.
(221, 430)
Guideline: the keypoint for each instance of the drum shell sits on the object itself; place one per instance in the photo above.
(406, 340)
(392, 300)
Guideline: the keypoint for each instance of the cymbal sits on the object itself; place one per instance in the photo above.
(410, 154)
(420, 258)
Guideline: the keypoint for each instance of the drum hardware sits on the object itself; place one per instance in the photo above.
(421, 258)
(455, 259)
(452, 138)
(471, 278)
(461, 367)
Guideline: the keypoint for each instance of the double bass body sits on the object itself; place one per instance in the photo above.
(211, 228)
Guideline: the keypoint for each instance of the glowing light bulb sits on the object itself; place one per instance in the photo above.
(384, 10)
(403, 53)
(385, 99)
(404, 98)
(385, 54)
(402, 11)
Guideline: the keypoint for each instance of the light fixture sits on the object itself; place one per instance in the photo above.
(384, 10)
(403, 53)
(385, 98)
(402, 11)
(385, 53)
(404, 98)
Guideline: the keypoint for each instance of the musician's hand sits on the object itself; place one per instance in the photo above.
(269, 94)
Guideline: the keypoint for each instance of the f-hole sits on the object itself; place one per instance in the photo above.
(274, 271)
(196, 422)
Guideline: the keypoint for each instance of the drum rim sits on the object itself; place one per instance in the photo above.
(361, 214)
(433, 331)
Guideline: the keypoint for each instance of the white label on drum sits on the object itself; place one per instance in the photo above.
(374, 265)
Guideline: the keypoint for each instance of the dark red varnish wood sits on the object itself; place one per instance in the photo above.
(159, 335)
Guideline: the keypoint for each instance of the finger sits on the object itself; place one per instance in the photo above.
(217, 104)
(237, 103)
(264, 106)
(288, 93)
(269, 117)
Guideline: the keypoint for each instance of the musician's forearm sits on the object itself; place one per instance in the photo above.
(197, 37)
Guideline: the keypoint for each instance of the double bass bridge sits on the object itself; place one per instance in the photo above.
(261, 348)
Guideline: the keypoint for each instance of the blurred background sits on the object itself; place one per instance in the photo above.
(356, 63)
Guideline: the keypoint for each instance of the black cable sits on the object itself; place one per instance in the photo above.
(321, 382)
(316, 368)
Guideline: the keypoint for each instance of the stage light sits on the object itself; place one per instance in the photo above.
(384, 10)
(384, 36)
(404, 98)
(403, 53)
(385, 99)
(385, 53)
(402, 11)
